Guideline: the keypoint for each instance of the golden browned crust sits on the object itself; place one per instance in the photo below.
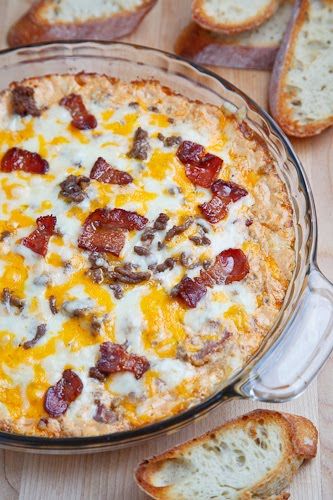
(299, 443)
(278, 95)
(32, 28)
(199, 15)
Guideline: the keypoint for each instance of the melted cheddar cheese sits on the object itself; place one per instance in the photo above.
(147, 318)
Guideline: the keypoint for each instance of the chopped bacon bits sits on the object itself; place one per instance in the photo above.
(230, 265)
(114, 358)
(103, 172)
(103, 230)
(23, 101)
(224, 193)
(59, 396)
(81, 119)
(122, 219)
(38, 240)
(214, 210)
(191, 291)
(98, 238)
(228, 191)
(21, 159)
(201, 168)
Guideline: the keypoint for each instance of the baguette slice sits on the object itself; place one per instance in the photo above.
(301, 88)
(49, 20)
(255, 49)
(232, 16)
(254, 456)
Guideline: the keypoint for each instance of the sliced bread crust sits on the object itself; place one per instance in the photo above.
(34, 27)
(232, 16)
(184, 472)
(255, 49)
(300, 86)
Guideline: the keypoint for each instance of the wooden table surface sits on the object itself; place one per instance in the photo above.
(109, 476)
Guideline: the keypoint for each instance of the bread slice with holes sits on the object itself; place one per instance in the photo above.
(254, 456)
(232, 16)
(301, 88)
(254, 49)
(49, 20)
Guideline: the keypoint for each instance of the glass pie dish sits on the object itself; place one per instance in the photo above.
(301, 338)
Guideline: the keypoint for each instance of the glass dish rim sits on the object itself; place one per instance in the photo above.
(199, 409)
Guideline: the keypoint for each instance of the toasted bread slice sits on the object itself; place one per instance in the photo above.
(78, 20)
(301, 91)
(255, 49)
(232, 16)
(254, 456)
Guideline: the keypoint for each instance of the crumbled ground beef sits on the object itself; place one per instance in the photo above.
(23, 101)
(200, 240)
(123, 274)
(175, 230)
(53, 304)
(40, 332)
(161, 222)
(143, 251)
(169, 263)
(9, 299)
(73, 188)
(168, 142)
(117, 290)
(140, 147)
(95, 326)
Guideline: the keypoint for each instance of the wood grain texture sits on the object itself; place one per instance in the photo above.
(109, 476)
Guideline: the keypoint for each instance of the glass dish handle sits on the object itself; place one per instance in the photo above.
(288, 368)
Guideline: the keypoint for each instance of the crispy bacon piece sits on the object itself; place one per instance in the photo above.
(103, 172)
(21, 159)
(228, 191)
(38, 240)
(214, 210)
(103, 230)
(230, 265)
(81, 119)
(120, 218)
(224, 193)
(59, 396)
(114, 358)
(98, 238)
(201, 167)
(191, 291)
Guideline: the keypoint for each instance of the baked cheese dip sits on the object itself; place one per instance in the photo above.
(146, 246)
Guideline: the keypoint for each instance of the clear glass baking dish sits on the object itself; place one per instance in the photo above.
(302, 337)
